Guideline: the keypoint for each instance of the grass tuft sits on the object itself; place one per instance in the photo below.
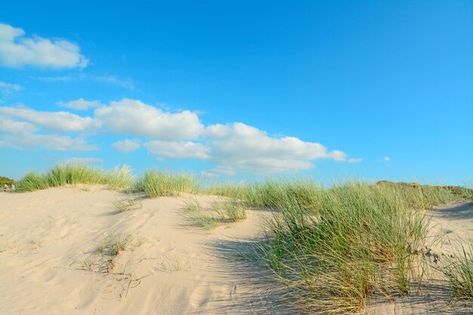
(220, 212)
(459, 272)
(158, 184)
(73, 174)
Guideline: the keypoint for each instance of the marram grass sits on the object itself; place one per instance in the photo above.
(334, 247)
(157, 184)
(73, 174)
(459, 272)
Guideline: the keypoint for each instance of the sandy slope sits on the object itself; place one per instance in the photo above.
(451, 227)
(50, 264)
(48, 243)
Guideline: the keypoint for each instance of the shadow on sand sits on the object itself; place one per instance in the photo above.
(257, 291)
(462, 211)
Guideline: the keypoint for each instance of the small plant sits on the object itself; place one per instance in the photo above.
(198, 217)
(232, 211)
(459, 271)
(111, 248)
(127, 205)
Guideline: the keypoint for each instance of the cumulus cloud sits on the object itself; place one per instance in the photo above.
(80, 104)
(22, 135)
(17, 50)
(52, 142)
(12, 126)
(127, 145)
(136, 118)
(178, 150)
(62, 121)
(231, 148)
(239, 147)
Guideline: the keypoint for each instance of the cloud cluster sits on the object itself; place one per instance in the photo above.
(231, 148)
(17, 50)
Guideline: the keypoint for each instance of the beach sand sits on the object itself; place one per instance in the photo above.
(51, 261)
(50, 264)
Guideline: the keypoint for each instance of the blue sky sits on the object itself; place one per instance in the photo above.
(332, 90)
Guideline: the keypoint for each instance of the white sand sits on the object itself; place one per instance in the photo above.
(48, 240)
(49, 259)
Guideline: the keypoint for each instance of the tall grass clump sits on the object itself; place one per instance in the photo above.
(273, 195)
(73, 174)
(32, 182)
(459, 272)
(157, 184)
(335, 247)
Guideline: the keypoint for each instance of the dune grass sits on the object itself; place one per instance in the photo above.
(73, 174)
(158, 184)
(229, 211)
(459, 272)
(334, 247)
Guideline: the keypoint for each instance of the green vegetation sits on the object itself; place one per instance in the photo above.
(111, 248)
(157, 184)
(334, 247)
(220, 212)
(72, 174)
(459, 271)
(6, 181)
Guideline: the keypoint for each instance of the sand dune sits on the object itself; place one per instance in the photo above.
(51, 259)
(49, 241)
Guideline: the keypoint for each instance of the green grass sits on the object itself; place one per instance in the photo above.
(229, 211)
(459, 272)
(73, 174)
(196, 216)
(157, 184)
(335, 247)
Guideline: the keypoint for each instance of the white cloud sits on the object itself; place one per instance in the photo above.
(239, 147)
(80, 104)
(127, 145)
(52, 142)
(132, 117)
(387, 158)
(178, 150)
(12, 126)
(231, 148)
(62, 121)
(17, 50)
(6, 87)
